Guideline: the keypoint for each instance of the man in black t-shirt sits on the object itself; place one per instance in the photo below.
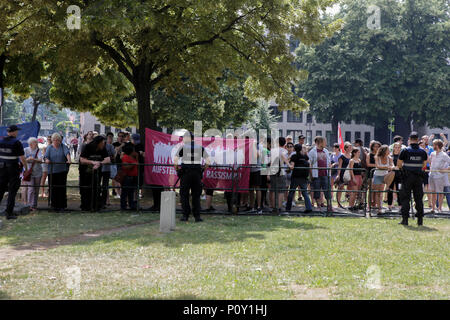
(91, 159)
(299, 177)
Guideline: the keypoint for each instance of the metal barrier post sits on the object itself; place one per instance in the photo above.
(138, 187)
(233, 193)
(50, 182)
(330, 194)
(92, 191)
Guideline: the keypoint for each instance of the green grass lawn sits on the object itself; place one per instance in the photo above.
(229, 257)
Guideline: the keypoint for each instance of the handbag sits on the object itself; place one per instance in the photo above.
(27, 174)
(347, 176)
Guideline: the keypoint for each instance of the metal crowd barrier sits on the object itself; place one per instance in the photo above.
(365, 192)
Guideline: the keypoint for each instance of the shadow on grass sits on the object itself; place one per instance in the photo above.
(186, 296)
(4, 296)
(420, 228)
(217, 230)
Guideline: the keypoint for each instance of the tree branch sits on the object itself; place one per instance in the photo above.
(124, 51)
(246, 56)
(115, 56)
(160, 76)
(224, 30)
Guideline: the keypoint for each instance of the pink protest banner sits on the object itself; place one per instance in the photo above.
(225, 155)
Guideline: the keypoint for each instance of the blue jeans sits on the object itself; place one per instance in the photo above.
(303, 183)
(321, 183)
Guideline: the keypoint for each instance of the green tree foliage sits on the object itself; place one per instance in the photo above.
(130, 48)
(400, 70)
(21, 44)
(262, 118)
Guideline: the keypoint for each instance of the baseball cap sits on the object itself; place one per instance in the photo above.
(301, 136)
(414, 135)
(136, 137)
(12, 128)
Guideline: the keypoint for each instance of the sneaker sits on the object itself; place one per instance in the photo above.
(259, 211)
(184, 218)
(307, 211)
(198, 220)
(11, 217)
(211, 209)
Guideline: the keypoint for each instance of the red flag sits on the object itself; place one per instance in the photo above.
(340, 140)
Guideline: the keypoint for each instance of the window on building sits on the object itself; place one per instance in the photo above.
(97, 127)
(295, 134)
(357, 135)
(367, 139)
(318, 133)
(294, 117)
(328, 137)
(308, 118)
(107, 129)
(277, 113)
(280, 132)
(348, 136)
(309, 137)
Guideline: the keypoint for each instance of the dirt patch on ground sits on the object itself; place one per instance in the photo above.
(21, 250)
(302, 292)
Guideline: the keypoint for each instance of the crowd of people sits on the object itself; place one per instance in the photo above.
(107, 164)
(100, 159)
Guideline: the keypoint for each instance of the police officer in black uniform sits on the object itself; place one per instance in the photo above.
(11, 150)
(190, 175)
(412, 160)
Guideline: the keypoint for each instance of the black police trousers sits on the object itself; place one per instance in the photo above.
(412, 182)
(191, 180)
(9, 181)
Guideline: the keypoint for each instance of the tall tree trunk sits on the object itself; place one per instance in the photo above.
(2, 85)
(35, 109)
(382, 132)
(145, 114)
(402, 127)
(334, 133)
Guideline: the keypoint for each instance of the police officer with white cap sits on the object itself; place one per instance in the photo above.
(412, 160)
(11, 150)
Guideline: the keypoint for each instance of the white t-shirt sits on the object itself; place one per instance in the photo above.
(278, 152)
(439, 161)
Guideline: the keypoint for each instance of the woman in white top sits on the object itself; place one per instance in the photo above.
(383, 174)
(33, 155)
(440, 163)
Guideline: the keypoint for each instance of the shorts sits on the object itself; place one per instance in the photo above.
(44, 168)
(378, 179)
(437, 184)
(358, 179)
(255, 179)
(426, 176)
(209, 192)
(263, 180)
(277, 183)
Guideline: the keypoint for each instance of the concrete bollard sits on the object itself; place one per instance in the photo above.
(167, 215)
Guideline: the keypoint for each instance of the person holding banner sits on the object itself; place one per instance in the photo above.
(190, 174)
(11, 150)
